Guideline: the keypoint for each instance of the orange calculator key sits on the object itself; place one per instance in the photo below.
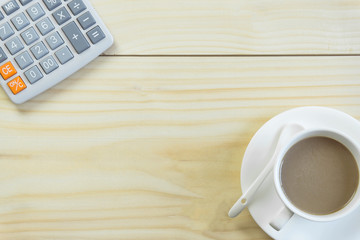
(16, 85)
(7, 70)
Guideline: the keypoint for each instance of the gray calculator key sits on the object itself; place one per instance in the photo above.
(86, 20)
(10, 7)
(35, 12)
(20, 21)
(3, 56)
(64, 55)
(45, 26)
(76, 38)
(5, 31)
(30, 36)
(52, 4)
(24, 60)
(14, 45)
(48, 64)
(24, 2)
(76, 6)
(96, 35)
(61, 16)
(54, 40)
(39, 50)
(33, 74)
(1, 16)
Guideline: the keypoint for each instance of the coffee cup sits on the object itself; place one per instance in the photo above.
(316, 176)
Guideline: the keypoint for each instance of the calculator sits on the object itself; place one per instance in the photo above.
(45, 41)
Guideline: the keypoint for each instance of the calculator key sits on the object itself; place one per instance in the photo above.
(35, 12)
(3, 56)
(64, 55)
(86, 20)
(10, 7)
(30, 36)
(24, 2)
(76, 38)
(76, 6)
(52, 4)
(54, 40)
(7, 70)
(20, 21)
(14, 45)
(1, 16)
(24, 60)
(48, 64)
(16, 85)
(33, 74)
(61, 16)
(96, 35)
(39, 50)
(5, 31)
(45, 26)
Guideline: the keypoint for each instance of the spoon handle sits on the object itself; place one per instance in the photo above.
(243, 201)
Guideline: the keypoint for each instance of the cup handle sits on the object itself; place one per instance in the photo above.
(282, 217)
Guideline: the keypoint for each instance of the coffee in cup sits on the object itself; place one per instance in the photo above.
(316, 176)
(319, 175)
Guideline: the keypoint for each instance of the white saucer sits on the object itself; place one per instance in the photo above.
(266, 203)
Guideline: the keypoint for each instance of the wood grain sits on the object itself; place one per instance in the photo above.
(151, 148)
(232, 27)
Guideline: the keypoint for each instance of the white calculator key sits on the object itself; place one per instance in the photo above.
(10, 7)
(24, 2)
(14, 45)
(45, 26)
(33, 74)
(30, 36)
(52, 4)
(6, 31)
(64, 55)
(48, 64)
(24, 60)
(20, 21)
(35, 12)
(39, 50)
(54, 40)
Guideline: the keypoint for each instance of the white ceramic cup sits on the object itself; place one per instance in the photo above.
(289, 209)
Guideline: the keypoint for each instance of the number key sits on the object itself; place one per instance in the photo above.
(24, 60)
(5, 31)
(35, 12)
(20, 21)
(45, 26)
(14, 45)
(54, 40)
(30, 36)
(39, 50)
(33, 74)
(49, 64)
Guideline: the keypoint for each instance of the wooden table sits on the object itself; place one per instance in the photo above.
(147, 141)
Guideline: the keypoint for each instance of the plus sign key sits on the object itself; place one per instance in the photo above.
(76, 38)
